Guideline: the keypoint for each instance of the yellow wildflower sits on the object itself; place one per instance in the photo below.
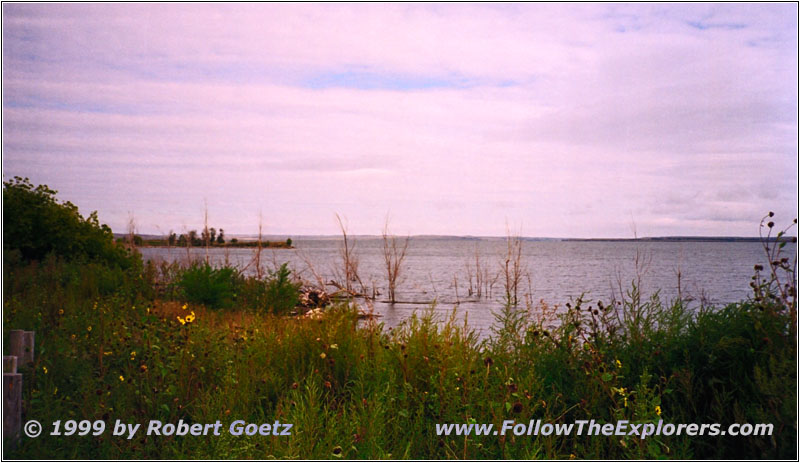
(625, 402)
(619, 364)
(190, 318)
(121, 378)
(183, 322)
(322, 355)
(334, 346)
(89, 328)
(61, 311)
(184, 306)
(658, 410)
(44, 369)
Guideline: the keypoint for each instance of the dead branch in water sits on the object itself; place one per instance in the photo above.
(349, 261)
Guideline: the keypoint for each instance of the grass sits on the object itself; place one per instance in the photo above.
(110, 346)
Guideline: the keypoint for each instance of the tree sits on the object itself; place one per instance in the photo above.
(212, 235)
(221, 237)
(36, 224)
(193, 240)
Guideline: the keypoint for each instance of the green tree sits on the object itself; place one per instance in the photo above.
(36, 224)
(193, 239)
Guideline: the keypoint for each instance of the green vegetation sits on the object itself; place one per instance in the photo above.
(35, 225)
(202, 344)
(192, 239)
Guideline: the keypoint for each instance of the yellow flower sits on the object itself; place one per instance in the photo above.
(183, 322)
(619, 364)
(334, 346)
(61, 311)
(190, 318)
(133, 354)
(322, 355)
(121, 378)
(625, 402)
(658, 410)
(44, 369)
(184, 306)
(89, 328)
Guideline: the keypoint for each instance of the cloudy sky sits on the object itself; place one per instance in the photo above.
(576, 120)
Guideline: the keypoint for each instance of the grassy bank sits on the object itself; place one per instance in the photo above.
(120, 340)
(108, 347)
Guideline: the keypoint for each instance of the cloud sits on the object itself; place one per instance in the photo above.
(567, 118)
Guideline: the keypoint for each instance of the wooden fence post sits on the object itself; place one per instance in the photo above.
(12, 407)
(21, 344)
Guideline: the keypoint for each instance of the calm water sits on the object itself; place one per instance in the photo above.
(436, 269)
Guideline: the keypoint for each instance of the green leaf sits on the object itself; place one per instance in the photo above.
(607, 377)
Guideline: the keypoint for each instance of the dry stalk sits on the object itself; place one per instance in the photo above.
(393, 255)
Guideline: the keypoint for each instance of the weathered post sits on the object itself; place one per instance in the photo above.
(12, 407)
(9, 364)
(21, 347)
(21, 343)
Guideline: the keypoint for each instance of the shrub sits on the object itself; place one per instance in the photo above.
(277, 294)
(212, 287)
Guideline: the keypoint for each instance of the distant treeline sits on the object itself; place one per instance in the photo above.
(208, 237)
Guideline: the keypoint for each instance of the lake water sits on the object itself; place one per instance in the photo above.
(437, 269)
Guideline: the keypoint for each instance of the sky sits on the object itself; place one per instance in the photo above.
(554, 120)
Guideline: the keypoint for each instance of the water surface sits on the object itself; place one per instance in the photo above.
(436, 269)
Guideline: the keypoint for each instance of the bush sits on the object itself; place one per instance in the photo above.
(277, 294)
(36, 224)
(203, 284)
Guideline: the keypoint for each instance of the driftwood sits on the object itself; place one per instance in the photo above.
(311, 298)
(346, 292)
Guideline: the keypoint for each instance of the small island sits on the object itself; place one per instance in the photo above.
(209, 237)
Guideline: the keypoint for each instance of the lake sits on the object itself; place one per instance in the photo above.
(558, 271)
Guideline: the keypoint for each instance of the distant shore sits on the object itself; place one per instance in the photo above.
(240, 244)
